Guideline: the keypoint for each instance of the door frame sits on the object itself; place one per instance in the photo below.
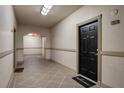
(99, 67)
(14, 48)
(44, 47)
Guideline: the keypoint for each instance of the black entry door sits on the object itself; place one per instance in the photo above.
(88, 50)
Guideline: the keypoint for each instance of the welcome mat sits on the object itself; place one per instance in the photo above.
(84, 82)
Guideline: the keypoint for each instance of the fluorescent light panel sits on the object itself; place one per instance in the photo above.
(46, 9)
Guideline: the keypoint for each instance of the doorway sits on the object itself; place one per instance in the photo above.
(88, 50)
(89, 47)
(32, 44)
(44, 47)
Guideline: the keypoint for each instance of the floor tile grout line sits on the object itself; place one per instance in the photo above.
(46, 75)
(50, 80)
(14, 82)
(74, 84)
(62, 81)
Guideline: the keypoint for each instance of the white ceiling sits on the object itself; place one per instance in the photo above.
(30, 14)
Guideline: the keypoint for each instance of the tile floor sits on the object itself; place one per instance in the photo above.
(39, 73)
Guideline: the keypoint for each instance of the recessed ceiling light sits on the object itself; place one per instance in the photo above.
(46, 9)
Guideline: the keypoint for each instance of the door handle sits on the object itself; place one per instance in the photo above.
(94, 53)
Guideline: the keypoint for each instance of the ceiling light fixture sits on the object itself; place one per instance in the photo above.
(46, 9)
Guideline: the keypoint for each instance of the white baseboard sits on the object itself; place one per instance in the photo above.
(105, 86)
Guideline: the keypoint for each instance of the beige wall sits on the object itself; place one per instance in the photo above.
(26, 29)
(64, 36)
(7, 23)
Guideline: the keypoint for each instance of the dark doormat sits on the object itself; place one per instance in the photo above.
(20, 67)
(84, 82)
(18, 70)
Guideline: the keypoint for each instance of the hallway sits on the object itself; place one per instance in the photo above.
(39, 73)
(83, 42)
